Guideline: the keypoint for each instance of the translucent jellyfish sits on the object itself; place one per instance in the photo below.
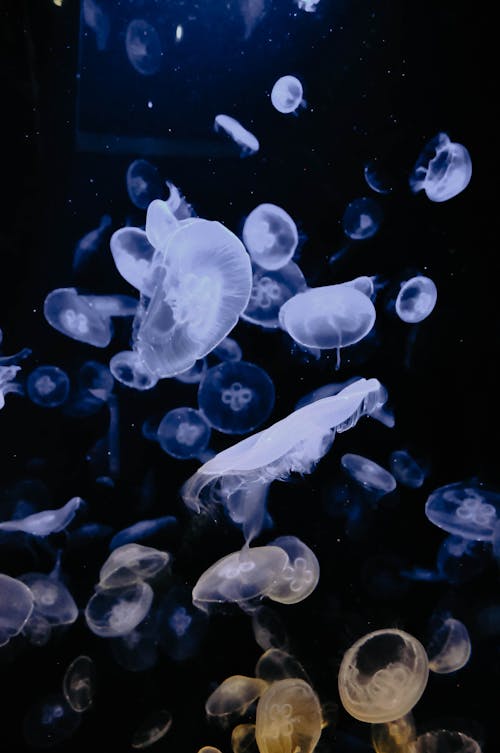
(184, 433)
(368, 474)
(465, 509)
(246, 140)
(201, 288)
(209, 749)
(299, 577)
(443, 169)
(195, 373)
(287, 94)
(16, 606)
(406, 470)
(37, 630)
(48, 386)
(450, 647)
(270, 290)
(128, 368)
(374, 179)
(144, 529)
(137, 651)
(52, 599)
(276, 664)
(393, 737)
(90, 243)
(46, 522)
(308, 5)
(143, 184)
(268, 629)
(243, 738)
(444, 741)
(50, 722)
(152, 729)
(182, 627)
(112, 612)
(416, 299)
(7, 382)
(382, 676)
(132, 254)
(288, 718)
(228, 350)
(362, 219)
(234, 696)
(79, 683)
(98, 21)
(270, 236)
(130, 564)
(143, 46)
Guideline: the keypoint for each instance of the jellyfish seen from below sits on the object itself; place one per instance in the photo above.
(368, 474)
(128, 368)
(152, 729)
(184, 433)
(288, 718)
(234, 695)
(443, 169)
(268, 629)
(374, 179)
(52, 600)
(143, 47)
(416, 299)
(50, 722)
(113, 612)
(79, 683)
(270, 290)
(465, 509)
(450, 647)
(362, 219)
(287, 94)
(382, 676)
(243, 739)
(16, 606)
(181, 626)
(270, 236)
(236, 397)
(300, 576)
(406, 470)
(46, 522)
(48, 386)
(444, 741)
(394, 737)
(132, 254)
(130, 564)
(143, 183)
(247, 142)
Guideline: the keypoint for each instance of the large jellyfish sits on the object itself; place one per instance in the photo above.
(270, 290)
(79, 683)
(416, 299)
(288, 718)
(450, 647)
(48, 386)
(465, 509)
(46, 522)
(287, 94)
(443, 169)
(143, 47)
(362, 219)
(248, 143)
(16, 606)
(270, 236)
(113, 612)
(299, 577)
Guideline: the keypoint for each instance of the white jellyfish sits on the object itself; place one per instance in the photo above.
(248, 143)
(128, 368)
(131, 563)
(465, 509)
(270, 236)
(52, 600)
(113, 612)
(443, 169)
(299, 577)
(234, 696)
(46, 522)
(133, 254)
(450, 647)
(287, 94)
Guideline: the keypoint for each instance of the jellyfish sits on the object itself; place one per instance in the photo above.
(369, 475)
(128, 368)
(79, 684)
(112, 612)
(288, 718)
(268, 629)
(93, 390)
(443, 169)
(299, 577)
(209, 749)
(362, 219)
(181, 626)
(52, 600)
(406, 470)
(195, 373)
(143, 47)
(152, 729)
(46, 522)
(270, 290)
(50, 722)
(275, 665)
(270, 236)
(37, 630)
(465, 509)
(16, 606)
(444, 741)
(382, 676)
(9, 368)
(143, 183)
(243, 738)
(48, 386)
(234, 696)
(245, 140)
(144, 529)
(287, 94)
(375, 181)
(395, 736)
(228, 350)
(98, 21)
(133, 254)
(130, 564)
(90, 243)
(450, 647)
(184, 433)
(416, 299)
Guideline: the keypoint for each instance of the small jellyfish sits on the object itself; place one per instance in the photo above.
(234, 696)
(299, 577)
(368, 474)
(130, 564)
(270, 290)
(78, 316)
(228, 350)
(90, 243)
(98, 21)
(443, 169)
(288, 718)
(406, 470)
(416, 299)
(362, 219)
(112, 612)
(182, 627)
(37, 630)
(376, 181)
(144, 529)
(184, 433)
(48, 386)
(128, 368)
(270, 236)
(132, 254)
(287, 94)
(395, 736)
(16, 606)
(195, 373)
(276, 664)
(382, 676)
(450, 647)
(467, 510)
(245, 140)
(444, 741)
(143, 185)
(46, 522)
(143, 47)
(460, 560)
(152, 729)
(50, 722)
(79, 683)
(52, 600)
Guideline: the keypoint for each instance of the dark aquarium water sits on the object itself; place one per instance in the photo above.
(249, 490)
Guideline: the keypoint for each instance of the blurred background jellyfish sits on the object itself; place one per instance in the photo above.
(90, 243)
(143, 530)
(406, 470)
(450, 646)
(270, 290)
(143, 47)
(143, 183)
(308, 5)
(416, 299)
(46, 522)
(362, 219)
(443, 169)
(16, 606)
(97, 20)
(234, 696)
(375, 480)
(374, 179)
(270, 236)
(195, 373)
(184, 433)
(52, 600)
(395, 736)
(50, 722)
(464, 509)
(79, 683)
(247, 142)
(288, 717)
(113, 612)
(48, 386)
(287, 94)
(153, 728)
(228, 350)
(181, 627)
(442, 741)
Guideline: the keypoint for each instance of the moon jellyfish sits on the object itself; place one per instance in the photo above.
(130, 564)
(270, 290)
(90, 243)
(143, 530)
(16, 606)
(460, 560)
(308, 5)
(46, 522)
(184, 433)
(406, 470)
(270, 236)
(444, 741)
(50, 722)
(371, 476)
(416, 299)
(236, 397)
(393, 737)
(228, 350)
(382, 676)
(52, 599)
(128, 368)
(288, 718)
(143, 47)
(182, 627)
(143, 184)
(287, 94)
(362, 219)
(48, 386)
(299, 577)
(276, 664)
(137, 651)
(79, 684)
(465, 509)
(450, 647)
(234, 696)
(152, 729)
(112, 612)
(37, 630)
(443, 169)
(247, 141)
(132, 254)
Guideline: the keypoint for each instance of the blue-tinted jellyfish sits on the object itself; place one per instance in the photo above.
(416, 299)
(16, 606)
(443, 169)
(195, 373)
(52, 600)
(202, 284)
(236, 397)
(128, 368)
(130, 564)
(37, 630)
(444, 741)
(308, 5)
(133, 254)
(300, 575)
(270, 236)
(152, 729)
(374, 479)
(143, 530)
(50, 722)
(248, 143)
(113, 612)
(375, 180)
(96, 378)
(362, 219)
(98, 21)
(450, 647)
(48, 386)
(406, 470)
(287, 94)
(270, 290)
(90, 243)
(143, 47)
(181, 627)
(143, 183)
(228, 350)
(183, 433)
(46, 522)
(234, 695)
(460, 560)
(465, 509)
(79, 683)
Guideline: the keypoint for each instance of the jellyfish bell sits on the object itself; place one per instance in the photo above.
(465, 509)
(48, 386)
(406, 470)
(52, 600)
(131, 563)
(270, 236)
(234, 696)
(143, 47)
(133, 254)
(153, 728)
(246, 140)
(16, 606)
(287, 94)
(416, 299)
(444, 741)
(276, 664)
(143, 529)
(368, 474)
(128, 368)
(113, 612)
(299, 577)
(443, 169)
(69, 313)
(375, 179)
(288, 718)
(450, 647)
(395, 736)
(362, 219)
(183, 433)
(46, 522)
(228, 350)
(270, 290)
(79, 683)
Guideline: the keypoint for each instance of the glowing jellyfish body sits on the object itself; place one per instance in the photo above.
(300, 576)
(236, 397)
(112, 612)
(79, 683)
(195, 373)
(97, 20)
(368, 474)
(270, 236)
(416, 299)
(287, 94)
(128, 368)
(234, 696)
(72, 315)
(248, 143)
(50, 722)
(130, 564)
(382, 676)
(309, 6)
(143, 47)
(406, 470)
(374, 179)
(444, 741)
(201, 288)
(152, 729)
(288, 718)
(48, 386)
(52, 600)
(270, 290)
(183, 433)
(443, 169)
(46, 522)
(466, 510)
(143, 183)
(362, 219)
(90, 243)
(450, 647)
(132, 254)
(16, 606)
(276, 664)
